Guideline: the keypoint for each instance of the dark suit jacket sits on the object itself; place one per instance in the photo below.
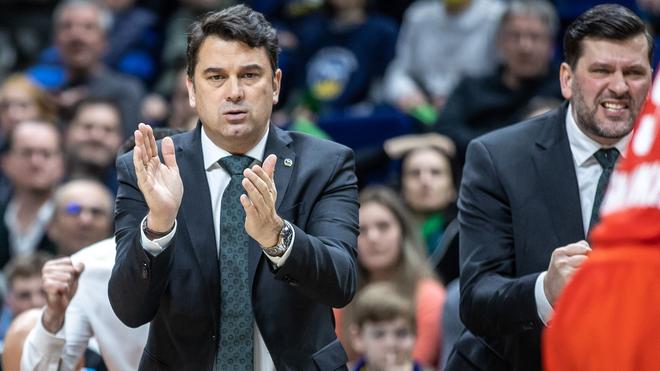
(177, 291)
(519, 200)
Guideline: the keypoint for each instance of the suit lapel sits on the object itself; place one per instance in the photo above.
(196, 210)
(277, 144)
(556, 172)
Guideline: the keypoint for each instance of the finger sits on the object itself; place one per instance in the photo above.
(262, 183)
(250, 211)
(152, 142)
(269, 165)
(79, 268)
(138, 163)
(140, 143)
(263, 175)
(254, 196)
(147, 132)
(576, 260)
(167, 147)
(576, 249)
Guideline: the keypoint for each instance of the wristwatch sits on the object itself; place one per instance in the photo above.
(286, 236)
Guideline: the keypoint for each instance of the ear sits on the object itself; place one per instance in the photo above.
(566, 80)
(190, 85)
(277, 83)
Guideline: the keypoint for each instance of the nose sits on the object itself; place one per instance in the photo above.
(235, 91)
(618, 84)
(86, 217)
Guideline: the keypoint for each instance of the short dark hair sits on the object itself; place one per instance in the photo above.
(25, 266)
(236, 23)
(381, 302)
(7, 144)
(94, 100)
(606, 21)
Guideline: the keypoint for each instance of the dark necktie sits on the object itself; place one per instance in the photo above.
(235, 347)
(606, 157)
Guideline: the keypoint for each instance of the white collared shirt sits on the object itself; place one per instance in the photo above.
(587, 171)
(218, 179)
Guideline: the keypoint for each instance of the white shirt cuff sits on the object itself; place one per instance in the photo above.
(543, 307)
(280, 260)
(156, 246)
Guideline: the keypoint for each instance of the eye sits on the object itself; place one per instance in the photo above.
(250, 75)
(215, 77)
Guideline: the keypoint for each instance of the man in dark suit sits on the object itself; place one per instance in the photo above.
(530, 192)
(298, 217)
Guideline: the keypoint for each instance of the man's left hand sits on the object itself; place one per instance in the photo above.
(261, 220)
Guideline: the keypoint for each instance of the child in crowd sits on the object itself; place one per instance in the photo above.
(383, 330)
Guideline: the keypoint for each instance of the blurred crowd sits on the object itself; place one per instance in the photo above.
(407, 84)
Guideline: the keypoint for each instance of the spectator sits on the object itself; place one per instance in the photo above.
(427, 67)
(83, 215)
(32, 160)
(58, 342)
(24, 289)
(16, 335)
(480, 104)
(81, 28)
(389, 250)
(383, 329)
(132, 40)
(428, 188)
(22, 99)
(92, 140)
(176, 29)
(344, 54)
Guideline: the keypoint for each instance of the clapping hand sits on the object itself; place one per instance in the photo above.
(159, 182)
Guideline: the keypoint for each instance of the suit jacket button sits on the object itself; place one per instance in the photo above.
(145, 271)
(213, 338)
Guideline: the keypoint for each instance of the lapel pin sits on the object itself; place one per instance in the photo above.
(288, 162)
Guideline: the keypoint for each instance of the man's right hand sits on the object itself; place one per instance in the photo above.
(59, 279)
(159, 182)
(564, 262)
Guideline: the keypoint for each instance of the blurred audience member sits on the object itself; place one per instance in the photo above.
(343, 54)
(383, 329)
(24, 289)
(33, 161)
(75, 314)
(525, 41)
(429, 190)
(16, 335)
(132, 40)
(182, 115)
(22, 99)
(390, 250)
(83, 215)
(175, 42)
(92, 140)
(81, 28)
(427, 67)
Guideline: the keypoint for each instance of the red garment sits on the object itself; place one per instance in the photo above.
(607, 317)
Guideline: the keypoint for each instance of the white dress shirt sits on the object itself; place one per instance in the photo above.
(588, 171)
(89, 315)
(25, 242)
(218, 179)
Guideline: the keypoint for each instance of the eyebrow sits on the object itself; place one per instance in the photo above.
(248, 67)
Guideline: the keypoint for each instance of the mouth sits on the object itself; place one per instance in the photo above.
(615, 109)
(234, 115)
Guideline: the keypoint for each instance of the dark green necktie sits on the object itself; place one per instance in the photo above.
(235, 346)
(606, 157)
